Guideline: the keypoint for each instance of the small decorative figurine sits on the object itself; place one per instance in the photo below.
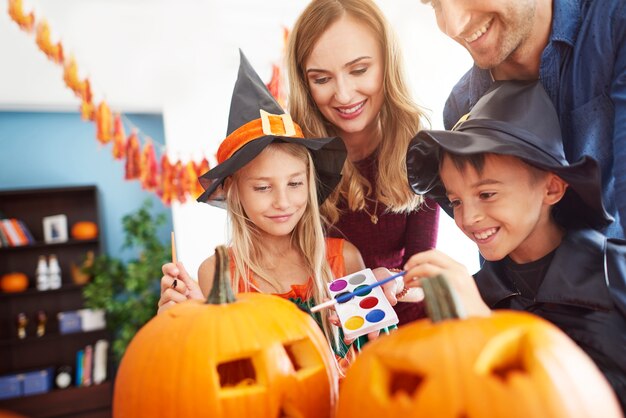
(22, 321)
(42, 319)
(63, 377)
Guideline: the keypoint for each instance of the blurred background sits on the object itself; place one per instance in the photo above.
(169, 67)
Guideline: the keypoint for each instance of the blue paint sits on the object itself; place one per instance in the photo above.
(59, 149)
(376, 315)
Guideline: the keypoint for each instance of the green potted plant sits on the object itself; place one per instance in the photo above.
(129, 291)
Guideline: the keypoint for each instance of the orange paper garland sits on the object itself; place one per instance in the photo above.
(170, 180)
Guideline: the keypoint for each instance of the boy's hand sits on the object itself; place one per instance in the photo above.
(177, 286)
(433, 262)
(393, 288)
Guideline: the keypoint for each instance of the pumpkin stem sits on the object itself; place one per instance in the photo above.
(442, 301)
(222, 291)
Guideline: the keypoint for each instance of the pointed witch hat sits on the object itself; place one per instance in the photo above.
(255, 121)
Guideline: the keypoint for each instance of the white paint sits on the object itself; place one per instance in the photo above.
(180, 57)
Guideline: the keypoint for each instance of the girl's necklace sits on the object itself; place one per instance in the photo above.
(374, 216)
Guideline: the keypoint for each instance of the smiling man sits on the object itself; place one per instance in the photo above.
(576, 48)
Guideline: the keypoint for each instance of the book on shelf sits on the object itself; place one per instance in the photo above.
(4, 240)
(80, 358)
(91, 364)
(87, 365)
(100, 361)
(29, 236)
(14, 233)
(10, 233)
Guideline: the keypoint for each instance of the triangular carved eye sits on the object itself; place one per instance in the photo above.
(404, 382)
(506, 354)
(238, 372)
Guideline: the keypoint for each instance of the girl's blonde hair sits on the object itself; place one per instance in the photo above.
(399, 116)
(307, 237)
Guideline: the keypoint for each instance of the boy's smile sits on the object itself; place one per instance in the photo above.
(504, 209)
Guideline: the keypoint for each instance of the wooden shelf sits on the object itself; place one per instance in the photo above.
(89, 401)
(49, 246)
(32, 292)
(49, 338)
(31, 206)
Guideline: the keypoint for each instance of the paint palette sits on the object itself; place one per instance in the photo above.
(369, 310)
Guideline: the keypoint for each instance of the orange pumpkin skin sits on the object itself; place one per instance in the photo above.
(512, 364)
(84, 230)
(174, 365)
(14, 282)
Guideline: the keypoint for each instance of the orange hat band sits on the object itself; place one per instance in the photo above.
(267, 124)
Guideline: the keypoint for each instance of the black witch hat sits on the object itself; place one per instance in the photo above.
(255, 121)
(513, 118)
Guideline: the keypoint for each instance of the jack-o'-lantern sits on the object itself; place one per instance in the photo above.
(510, 364)
(254, 356)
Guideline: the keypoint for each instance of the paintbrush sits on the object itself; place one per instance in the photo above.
(347, 296)
(174, 258)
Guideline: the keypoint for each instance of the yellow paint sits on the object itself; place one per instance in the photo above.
(355, 322)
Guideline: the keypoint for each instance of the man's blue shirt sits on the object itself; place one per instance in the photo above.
(583, 69)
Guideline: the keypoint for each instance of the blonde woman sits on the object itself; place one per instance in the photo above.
(345, 79)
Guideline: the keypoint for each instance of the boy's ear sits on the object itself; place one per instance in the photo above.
(555, 189)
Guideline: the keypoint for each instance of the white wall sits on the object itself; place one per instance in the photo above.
(180, 57)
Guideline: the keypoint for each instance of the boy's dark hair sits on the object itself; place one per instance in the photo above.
(477, 162)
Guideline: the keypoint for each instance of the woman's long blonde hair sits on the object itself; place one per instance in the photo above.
(400, 117)
(307, 237)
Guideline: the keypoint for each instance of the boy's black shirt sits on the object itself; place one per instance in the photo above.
(583, 292)
(526, 278)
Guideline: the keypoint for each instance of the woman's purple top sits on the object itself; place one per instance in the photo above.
(395, 237)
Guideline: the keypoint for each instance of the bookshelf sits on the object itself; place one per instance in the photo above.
(53, 349)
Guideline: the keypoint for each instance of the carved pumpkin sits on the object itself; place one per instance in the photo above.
(14, 282)
(84, 230)
(511, 364)
(256, 356)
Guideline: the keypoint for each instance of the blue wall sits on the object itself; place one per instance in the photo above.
(45, 149)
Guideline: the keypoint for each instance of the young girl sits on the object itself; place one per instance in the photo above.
(266, 179)
(345, 79)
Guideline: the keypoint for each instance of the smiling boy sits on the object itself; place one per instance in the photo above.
(534, 217)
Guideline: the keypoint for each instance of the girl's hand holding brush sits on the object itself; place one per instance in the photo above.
(176, 284)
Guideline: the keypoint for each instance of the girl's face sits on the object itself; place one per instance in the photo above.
(345, 76)
(273, 189)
